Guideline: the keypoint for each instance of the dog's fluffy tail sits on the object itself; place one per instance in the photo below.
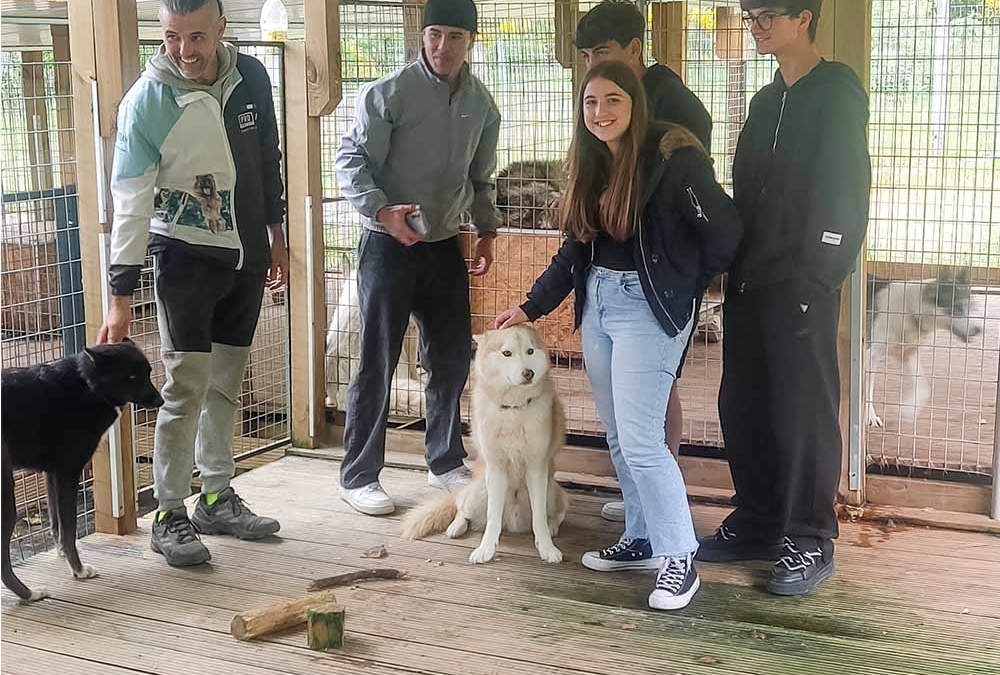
(430, 517)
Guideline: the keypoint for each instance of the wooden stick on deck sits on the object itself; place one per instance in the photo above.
(272, 618)
(351, 577)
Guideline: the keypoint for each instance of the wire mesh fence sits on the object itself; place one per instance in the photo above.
(262, 419)
(934, 239)
(41, 289)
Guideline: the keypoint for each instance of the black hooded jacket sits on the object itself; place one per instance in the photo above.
(801, 180)
(671, 101)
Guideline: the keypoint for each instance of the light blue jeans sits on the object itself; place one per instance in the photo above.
(632, 364)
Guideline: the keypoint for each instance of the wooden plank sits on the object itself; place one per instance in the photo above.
(926, 517)
(566, 14)
(83, 46)
(909, 271)
(541, 597)
(116, 39)
(844, 34)
(730, 36)
(928, 494)
(323, 71)
(923, 612)
(434, 609)
(698, 471)
(21, 660)
(413, 12)
(64, 103)
(37, 123)
(669, 27)
(305, 183)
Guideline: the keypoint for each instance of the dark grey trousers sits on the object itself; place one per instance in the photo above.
(431, 281)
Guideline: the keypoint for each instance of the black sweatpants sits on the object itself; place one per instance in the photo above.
(430, 280)
(779, 407)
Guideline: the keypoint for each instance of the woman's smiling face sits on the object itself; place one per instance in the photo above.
(607, 110)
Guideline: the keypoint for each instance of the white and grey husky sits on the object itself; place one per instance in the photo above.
(519, 426)
(901, 314)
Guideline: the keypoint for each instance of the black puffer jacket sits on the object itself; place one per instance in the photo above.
(688, 233)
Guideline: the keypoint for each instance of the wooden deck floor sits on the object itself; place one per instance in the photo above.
(904, 601)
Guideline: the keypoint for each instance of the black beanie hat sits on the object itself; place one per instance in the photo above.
(457, 13)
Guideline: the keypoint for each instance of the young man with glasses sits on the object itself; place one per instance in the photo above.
(801, 180)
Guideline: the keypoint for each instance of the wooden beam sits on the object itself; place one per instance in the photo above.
(37, 117)
(305, 250)
(932, 495)
(730, 36)
(64, 104)
(844, 34)
(566, 16)
(84, 71)
(413, 12)
(116, 38)
(669, 25)
(323, 71)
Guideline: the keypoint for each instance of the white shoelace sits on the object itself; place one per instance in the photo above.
(616, 548)
(795, 559)
(672, 575)
(724, 533)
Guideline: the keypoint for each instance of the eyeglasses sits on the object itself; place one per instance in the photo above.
(764, 20)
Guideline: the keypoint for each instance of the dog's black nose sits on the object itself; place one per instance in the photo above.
(528, 374)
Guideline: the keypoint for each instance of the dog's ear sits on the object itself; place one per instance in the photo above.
(479, 338)
(95, 355)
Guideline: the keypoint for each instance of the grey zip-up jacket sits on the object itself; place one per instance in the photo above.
(414, 142)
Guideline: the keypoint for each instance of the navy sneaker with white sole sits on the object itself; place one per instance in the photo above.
(676, 584)
(627, 554)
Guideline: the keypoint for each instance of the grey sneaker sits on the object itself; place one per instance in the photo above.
(175, 539)
(231, 515)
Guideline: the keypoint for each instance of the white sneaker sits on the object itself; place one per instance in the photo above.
(452, 481)
(370, 499)
(614, 511)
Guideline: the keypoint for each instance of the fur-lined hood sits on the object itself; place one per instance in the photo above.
(671, 137)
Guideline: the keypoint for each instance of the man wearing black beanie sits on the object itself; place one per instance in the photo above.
(421, 154)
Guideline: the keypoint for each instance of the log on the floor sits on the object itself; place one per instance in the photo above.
(351, 577)
(272, 618)
(326, 627)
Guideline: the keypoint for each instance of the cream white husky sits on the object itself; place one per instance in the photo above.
(343, 354)
(519, 426)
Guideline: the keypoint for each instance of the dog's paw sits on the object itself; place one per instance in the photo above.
(86, 572)
(483, 553)
(458, 527)
(549, 553)
(37, 594)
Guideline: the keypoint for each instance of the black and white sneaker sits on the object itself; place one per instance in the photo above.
(802, 567)
(728, 545)
(627, 554)
(676, 584)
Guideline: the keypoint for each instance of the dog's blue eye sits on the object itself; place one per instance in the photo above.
(506, 352)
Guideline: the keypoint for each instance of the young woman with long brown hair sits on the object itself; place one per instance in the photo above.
(647, 227)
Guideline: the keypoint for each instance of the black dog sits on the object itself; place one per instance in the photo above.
(53, 417)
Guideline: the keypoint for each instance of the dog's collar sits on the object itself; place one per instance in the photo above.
(515, 407)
